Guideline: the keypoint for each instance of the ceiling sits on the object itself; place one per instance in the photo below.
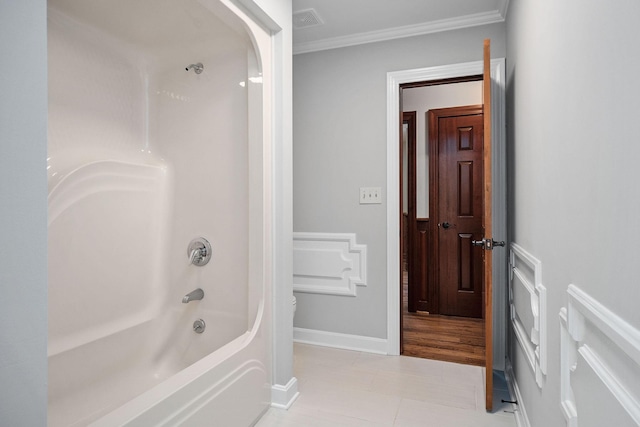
(352, 22)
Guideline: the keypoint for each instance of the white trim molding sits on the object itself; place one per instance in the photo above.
(337, 340)
(522, 420)
(498, 81)
(567, 364)
(504, 9)
(473, 20)
(528, 308)
(328, 263)
(283, 396)
(595, 338)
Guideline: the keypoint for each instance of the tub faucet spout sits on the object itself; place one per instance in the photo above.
(193, 295)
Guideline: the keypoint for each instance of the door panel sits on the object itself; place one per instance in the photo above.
(423, 247)
(460, 210)
(465, 188)
(466, 262)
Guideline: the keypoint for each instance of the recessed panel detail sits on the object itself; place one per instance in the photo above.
(465, 275)
(465, 188)
(465, 138)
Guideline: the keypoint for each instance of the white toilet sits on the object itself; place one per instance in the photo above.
(294, 302)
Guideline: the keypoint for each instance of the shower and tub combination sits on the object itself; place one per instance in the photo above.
(159, 213)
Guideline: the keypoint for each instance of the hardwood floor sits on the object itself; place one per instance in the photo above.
(446, 338)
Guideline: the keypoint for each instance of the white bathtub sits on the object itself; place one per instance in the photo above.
(143, 157)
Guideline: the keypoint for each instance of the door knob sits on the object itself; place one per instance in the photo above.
(445, 225)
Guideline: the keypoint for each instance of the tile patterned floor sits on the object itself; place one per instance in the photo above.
(349, 388)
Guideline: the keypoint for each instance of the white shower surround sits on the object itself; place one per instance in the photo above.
(143, 157)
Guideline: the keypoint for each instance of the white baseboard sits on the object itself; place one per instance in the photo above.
(520, 413)
(344, 341)
(283, 396)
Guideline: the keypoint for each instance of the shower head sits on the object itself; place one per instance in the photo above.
(196, 67)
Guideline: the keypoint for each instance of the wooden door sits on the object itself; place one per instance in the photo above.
(456, 135)
(488, 229)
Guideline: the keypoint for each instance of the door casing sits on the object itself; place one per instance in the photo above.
(394, 81)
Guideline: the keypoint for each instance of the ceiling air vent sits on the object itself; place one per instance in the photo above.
(306, 18)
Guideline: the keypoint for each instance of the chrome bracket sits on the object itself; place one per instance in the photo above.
(487, 244)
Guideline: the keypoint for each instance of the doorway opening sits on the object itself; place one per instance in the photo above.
(495, 265)
(441, 168)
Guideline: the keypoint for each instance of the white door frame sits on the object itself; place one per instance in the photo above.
(498, 80)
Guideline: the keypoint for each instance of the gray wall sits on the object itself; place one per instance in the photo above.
(573, 99)
(23, 213)
(339, 144)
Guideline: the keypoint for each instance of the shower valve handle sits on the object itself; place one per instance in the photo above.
(199, 251)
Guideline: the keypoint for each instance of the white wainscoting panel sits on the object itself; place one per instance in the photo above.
(600, 364)
(328, 263)
(528, 308)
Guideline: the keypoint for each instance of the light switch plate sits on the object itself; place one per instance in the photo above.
(370, 195)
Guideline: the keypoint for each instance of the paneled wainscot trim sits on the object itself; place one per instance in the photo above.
(598, 344)
(528, 308)
(328, 263)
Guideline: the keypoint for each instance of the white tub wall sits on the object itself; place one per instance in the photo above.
(105, 251)
(104, 246)
(136, 104)
(107, 280)
(206, 148)
(260, 184)
(97, 97)
(199, 124)
(230, 386)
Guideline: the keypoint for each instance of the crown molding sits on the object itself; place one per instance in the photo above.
(504, 9)
(401, 32)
